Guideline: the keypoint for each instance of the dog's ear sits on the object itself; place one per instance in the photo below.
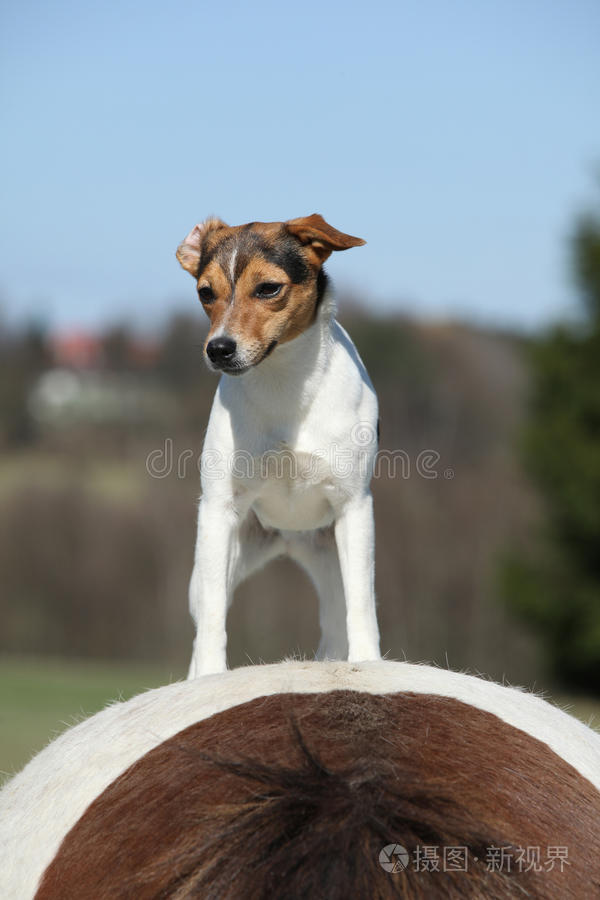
(189, 251)
(320, 237)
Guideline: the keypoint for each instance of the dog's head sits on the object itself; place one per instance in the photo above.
(260, 283)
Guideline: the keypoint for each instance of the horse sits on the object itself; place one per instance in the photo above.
(310, 779)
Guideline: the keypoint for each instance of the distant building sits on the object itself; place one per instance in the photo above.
(77, 350)
(87, 351)
(82, 386)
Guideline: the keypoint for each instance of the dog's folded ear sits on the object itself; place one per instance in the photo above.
(320, 237)
(189, 251)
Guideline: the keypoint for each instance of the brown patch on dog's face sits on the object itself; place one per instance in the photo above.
(260, 283)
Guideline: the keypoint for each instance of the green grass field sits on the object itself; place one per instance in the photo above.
(39, 698)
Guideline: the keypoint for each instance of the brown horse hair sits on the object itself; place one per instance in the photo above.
(295, 796)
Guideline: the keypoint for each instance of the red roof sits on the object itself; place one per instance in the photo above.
(82, 350)
(77, 349)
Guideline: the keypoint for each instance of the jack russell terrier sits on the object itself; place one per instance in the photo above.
(292, 435)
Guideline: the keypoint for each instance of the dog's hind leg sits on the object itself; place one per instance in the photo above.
(257, 547)
(317, 553)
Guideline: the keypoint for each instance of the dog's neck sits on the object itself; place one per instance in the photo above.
(287, 381)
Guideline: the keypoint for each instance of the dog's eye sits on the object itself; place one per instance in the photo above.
(206, 294)
(268, 289)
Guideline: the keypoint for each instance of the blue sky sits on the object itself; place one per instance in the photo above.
(458, 138)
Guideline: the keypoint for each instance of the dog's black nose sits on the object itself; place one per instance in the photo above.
(221, 350)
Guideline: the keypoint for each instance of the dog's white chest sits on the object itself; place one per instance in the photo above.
(294, 490)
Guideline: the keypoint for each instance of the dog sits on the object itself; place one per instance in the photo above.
(292, 435)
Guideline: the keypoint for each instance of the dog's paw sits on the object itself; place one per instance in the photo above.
(206, 666)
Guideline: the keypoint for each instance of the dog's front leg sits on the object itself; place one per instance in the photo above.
(211, 584)
(355, 538)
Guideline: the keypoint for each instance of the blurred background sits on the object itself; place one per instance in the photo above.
(462, 141)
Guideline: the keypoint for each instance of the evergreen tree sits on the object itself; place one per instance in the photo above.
(558, 592)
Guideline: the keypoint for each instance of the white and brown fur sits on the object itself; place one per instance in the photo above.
(286, 781)
(269, 487)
